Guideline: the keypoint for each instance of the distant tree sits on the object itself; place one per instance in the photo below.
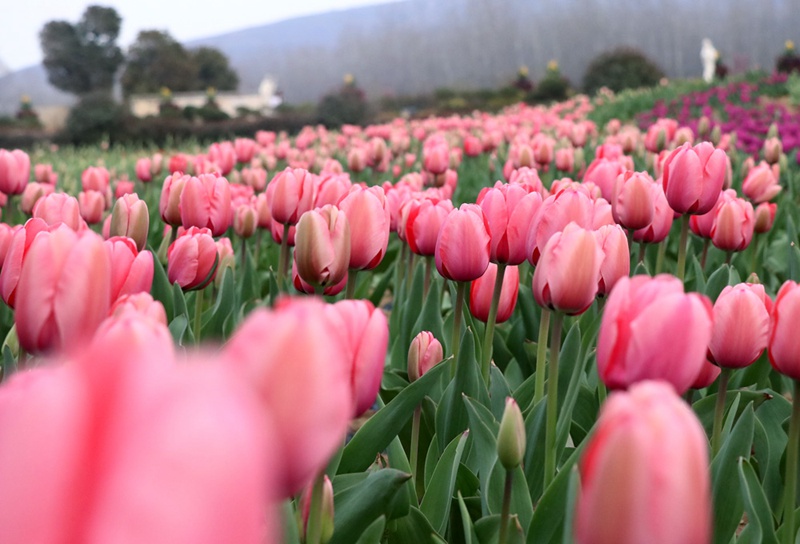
(213, 70)
(157, 60)
(83, 57)
(621, 68)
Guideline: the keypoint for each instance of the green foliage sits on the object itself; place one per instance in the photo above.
(83, 57)
(622, 68)
(346, 106)
(213, 70)
(96, 117)
(553, 88)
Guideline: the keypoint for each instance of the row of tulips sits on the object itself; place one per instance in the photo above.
(323, 421)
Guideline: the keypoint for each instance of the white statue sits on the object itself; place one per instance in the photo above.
(709, 55)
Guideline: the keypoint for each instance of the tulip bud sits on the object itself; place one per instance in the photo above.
(192, 259)
(322, 246)
(511, 436)
(765, 217)
(425, 351)
(326, 531)
(703, 127)
(130, 218)
(245, 221)
(15, 170)
(716, 135)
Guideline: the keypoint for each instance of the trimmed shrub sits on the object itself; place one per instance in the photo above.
(621, 68)
(96, 117)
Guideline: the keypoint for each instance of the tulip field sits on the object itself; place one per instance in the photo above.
(552, 324)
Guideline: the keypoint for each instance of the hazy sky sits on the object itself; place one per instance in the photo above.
(21, 20)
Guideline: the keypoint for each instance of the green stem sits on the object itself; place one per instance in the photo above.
(506, 507)
(662, 251)
(541, 354)
(244, 252)
(719, 410)
(490, 323)
(552, 403)
(754, 257)
(314, 526)
(428, 266)
(198, 313)
(415, 422)
(642, 248)
(259, 235)
(350, 290)
(602, 392)
(283, 260)
(173, 234)
(410, 270)
(461, 287)
(681, 270)
(704, 254)
(789, 501)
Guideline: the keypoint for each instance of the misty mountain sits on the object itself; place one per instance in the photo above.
(416, 46)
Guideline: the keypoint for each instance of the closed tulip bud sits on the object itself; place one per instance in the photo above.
(510, 210)
(632, 203)
(96, 178)
(511, 436)
(192, 259)
(616, 257)
(326, 531)
(703, 127)
(772, 150)
(740, 325)
(31, 195)
(130, 218)
(604, 173)
(568, 272)
(142, 303)
(565, 159)
(569, 205)
(693, 177)
(423, 219)
(318, 380)
(436, 157)
(15, 170)
(57, 208)
(43, 173)
(368, 214)
(322, 246)
(357, 159)
(290, 194)
(641, 320)
(245, 221)
(734, 224)
(91, 204)
(223, 155)
(245, 149)
(364, 340)
(64, 290)
(761, 183)
(15, 255)
(205, 202)
(765, 217)
(255, 178)
(131, 270)
(463, 246)
(784, 342)
(472, 146)
(423, 354)
(169, 204)
(528, 178)
(481, 292)
(644, 434)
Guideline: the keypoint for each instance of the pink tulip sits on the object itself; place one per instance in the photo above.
(322, 246)
(481, 292)
(303, 382)
(169, 204)
(6, 236)
(529, 178)
(124, 187)
(632, 202)
(472, 146)
(57, 208)
(331, 188)
(557, 211)
(568, 272)
(734, 225)
(708, 375)
(142, 303)
(565, 159)
(368, 215)
(644, 474)
(192, 259)
(764, 217)
(435, 157)
(64, 290)
(223, 155)
(131, 270)
(18, 247)
(245, 149)
(130, 218)
(693, 177)
(144, 169)
(31, 195)
(463, 246)
(422, 224)
(423, 354)
(761, 183)
(604, 173)
(784, 342)
(510, 211)
(741, 325)
(616, 262)
(642, 318)
(43, 173)
(365, 339)
(91, 205)
(205, 202)
(658, 230)
(15, 170)
(290, 194)
(773, 148)
(245, 221)
(96, 178)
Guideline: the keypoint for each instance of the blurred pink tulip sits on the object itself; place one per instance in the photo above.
(644, 474)
(144, 169)
(192, 259)
(764, 217)
(91, 204)
(15, 171)
(43, 173)
(641, 320)
(96, 178)
(761, 183)
(18, 247)
(31, 195)
(658, 230)
(131, 270)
